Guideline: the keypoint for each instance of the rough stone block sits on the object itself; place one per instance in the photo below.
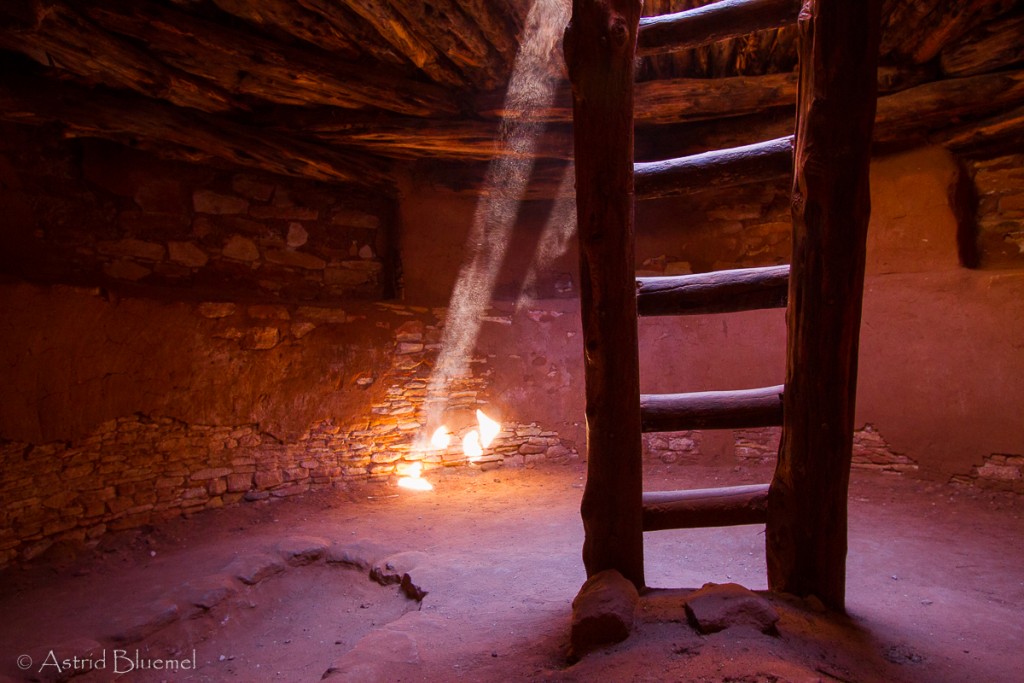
(216, 309)
(240, 249)
(214, 473)
(187, 254)
(145, 622)
(602, 612)
(355, 219)
(251, 569)
(268, 312)
(161, 196)
(297, 235)
(301, 550)
(126, 270)
(239, 481)
(362, 555)
(209, 591)
(294, 213)
(205, 201)
(1004, 472)
(394, 568)
(132, 248)
(300, 330)
(345, 277)
(716, 607)
(382, 655)
(261, 338)
(296, 259)
(252, 188)
(322, 314)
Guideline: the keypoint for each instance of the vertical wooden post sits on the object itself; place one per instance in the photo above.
(600, 42)
(807, 515)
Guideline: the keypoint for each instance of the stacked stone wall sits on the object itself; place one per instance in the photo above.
(1000, 216)
(1002, 472)
(761, 445)
(103, 215)
(139, 468)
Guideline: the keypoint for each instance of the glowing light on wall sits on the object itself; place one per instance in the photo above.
(440, 439)
(471, 446)
(489, 429)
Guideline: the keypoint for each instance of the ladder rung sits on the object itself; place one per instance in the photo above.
(723, 291)
(759, 162)
(737, 409)
(696, 508)
(710, 23)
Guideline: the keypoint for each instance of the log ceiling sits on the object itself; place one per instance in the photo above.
(353, 91)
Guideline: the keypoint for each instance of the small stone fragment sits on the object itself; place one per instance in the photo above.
(395, 568)
(297, 235)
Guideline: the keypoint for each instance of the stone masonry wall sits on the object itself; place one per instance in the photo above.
(748, 227)
(1000, 187)
(999, 471)
(138, 468)
(94, 213)
(870, 450)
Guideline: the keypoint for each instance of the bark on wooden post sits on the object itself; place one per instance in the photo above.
(807, 507)
(599, 46)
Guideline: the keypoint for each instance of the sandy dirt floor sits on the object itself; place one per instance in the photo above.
(935, 591)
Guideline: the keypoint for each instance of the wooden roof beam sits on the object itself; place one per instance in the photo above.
(180, 134)
(55, 35)
(295, 20)
(248, 65)
(405, 38)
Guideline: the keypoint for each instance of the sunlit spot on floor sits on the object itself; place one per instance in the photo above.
(412, 478)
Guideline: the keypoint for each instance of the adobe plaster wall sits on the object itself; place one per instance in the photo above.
(121, 408)
(941, 356)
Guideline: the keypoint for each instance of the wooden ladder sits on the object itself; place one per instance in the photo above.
(804, 507)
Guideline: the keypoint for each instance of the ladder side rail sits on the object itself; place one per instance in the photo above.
(806, 536)
(600, 44)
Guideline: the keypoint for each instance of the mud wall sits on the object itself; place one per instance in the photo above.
(941, 358)
(127, 400)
